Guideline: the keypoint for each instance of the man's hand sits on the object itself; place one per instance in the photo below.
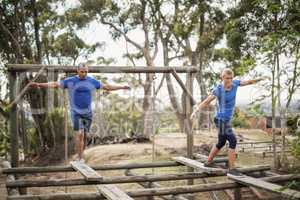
(126, 87)
(33, 84)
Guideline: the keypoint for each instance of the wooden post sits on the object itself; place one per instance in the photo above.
(13, 121)
(237, 194)
(186, 90)
(188, 126)
(11, 177)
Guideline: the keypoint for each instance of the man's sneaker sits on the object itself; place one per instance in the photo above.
(209, 164)
(79, 160)
(234, 172)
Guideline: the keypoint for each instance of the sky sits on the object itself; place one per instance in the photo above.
(99, 33)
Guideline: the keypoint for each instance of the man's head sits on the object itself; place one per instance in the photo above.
(227, 76)
(82, 70)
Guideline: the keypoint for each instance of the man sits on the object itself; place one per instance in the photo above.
(80, 88)
(226, 95)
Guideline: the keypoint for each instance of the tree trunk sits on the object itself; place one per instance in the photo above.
(173, 99)
(148, 116)
(275, 160)
(283, 157)
(36, 31)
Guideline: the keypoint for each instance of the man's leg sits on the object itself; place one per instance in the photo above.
(86, 124)
(79, 143)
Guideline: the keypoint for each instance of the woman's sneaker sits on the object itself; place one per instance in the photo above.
(209, 164)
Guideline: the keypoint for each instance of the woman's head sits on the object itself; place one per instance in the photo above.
(227, 77)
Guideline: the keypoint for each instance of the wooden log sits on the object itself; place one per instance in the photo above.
(112, 192)
(182, 85)
(88, 173)
(6, 164)
(154, 191)
(197, 165)
(254, 182)
(133, 179)
(100, 69)
(53, 169)
(213, 195)
(155, 185)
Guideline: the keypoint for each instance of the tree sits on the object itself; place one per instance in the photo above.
(32, 32)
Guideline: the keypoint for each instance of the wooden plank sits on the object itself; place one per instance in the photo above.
(88, 173)
(197, 165)
(112, 192)
(271, 187)
(101, 69)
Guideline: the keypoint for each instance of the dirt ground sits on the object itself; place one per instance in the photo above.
(165, 147)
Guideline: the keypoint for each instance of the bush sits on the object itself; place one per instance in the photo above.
(240, 119)
(55, 123)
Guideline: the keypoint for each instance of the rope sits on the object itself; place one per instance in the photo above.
(66, 133)
(153, 124)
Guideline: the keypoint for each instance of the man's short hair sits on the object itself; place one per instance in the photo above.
(227, 71)
(81, 65)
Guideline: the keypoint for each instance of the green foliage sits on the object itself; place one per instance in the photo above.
(55, 127)
(295, 148)
(293, 127)
(240, 119)
(122, 116)
(255, 110)
(33, 141)
(4, 139)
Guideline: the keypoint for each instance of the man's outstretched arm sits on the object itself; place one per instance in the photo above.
(45, 85)
(115, 87)
(203, 104)
(252, 81)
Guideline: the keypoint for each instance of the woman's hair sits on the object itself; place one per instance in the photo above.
(227, 71)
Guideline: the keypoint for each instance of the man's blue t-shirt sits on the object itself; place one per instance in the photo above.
(226, 100)
(80, 92)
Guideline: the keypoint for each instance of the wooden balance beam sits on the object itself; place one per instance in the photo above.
(112, 192)
(88, 173)
(197, 165)
(271, 187)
